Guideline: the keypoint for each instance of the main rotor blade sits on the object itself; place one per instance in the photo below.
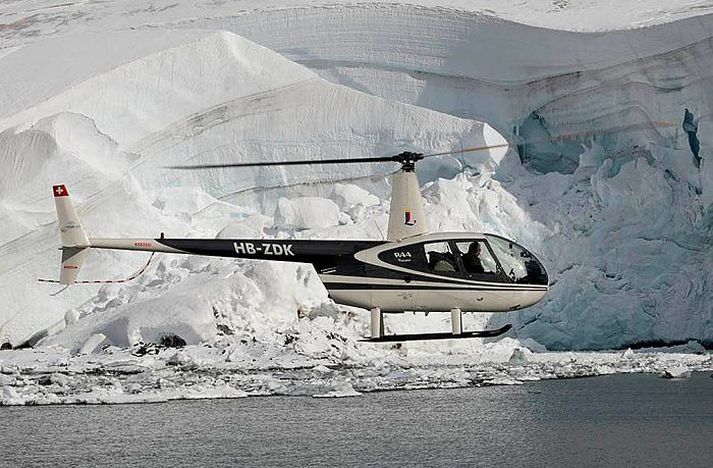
(468, 150)
(558, 138)
(288, 163)
(370, 177)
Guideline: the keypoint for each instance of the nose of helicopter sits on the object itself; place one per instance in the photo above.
(529, 298)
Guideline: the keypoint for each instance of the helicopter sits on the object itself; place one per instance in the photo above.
(413, 270)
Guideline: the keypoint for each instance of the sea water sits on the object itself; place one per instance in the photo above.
(618, 420)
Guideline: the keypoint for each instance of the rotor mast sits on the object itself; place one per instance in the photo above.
(407, 217)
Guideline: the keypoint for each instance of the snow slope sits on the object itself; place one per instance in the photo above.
(620, 213)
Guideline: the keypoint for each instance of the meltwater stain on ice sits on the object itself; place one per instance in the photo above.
(690, 126)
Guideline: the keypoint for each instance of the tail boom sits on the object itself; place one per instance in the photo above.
(137, 244)
(76, 245)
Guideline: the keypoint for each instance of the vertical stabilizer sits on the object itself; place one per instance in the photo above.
(70, 229)
(407, 217)
(75, 243)
(72, 261)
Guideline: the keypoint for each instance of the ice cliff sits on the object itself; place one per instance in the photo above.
(605, 188)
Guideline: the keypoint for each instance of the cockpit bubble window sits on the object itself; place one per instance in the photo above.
(440, 258)
(519, 264)
(477, 259)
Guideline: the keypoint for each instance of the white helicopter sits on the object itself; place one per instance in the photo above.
(412, 270)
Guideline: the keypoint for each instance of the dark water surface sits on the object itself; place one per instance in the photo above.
(619, 420)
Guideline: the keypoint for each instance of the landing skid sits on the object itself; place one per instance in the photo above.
(377, 330)
(440, 336)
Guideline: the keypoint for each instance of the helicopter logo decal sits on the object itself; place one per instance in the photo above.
(408, 218)
(403, 257)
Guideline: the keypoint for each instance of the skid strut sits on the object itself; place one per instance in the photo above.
(457, 321)
(377, 323)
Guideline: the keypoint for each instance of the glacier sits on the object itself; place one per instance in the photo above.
(104, 97)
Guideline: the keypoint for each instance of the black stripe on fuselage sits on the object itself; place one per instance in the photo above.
(321, 253)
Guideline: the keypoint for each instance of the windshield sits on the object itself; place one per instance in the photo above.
(519, 264)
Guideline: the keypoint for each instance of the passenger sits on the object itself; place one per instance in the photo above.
(471, 259)
(442, 262)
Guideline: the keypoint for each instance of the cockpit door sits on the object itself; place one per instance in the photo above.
(518, 263)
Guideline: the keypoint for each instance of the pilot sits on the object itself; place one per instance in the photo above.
(471, 259)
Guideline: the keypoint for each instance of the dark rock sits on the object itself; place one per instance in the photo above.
(289, 338)
(45, 380)
(173, 341)
(33, 340)
(5, 347)
(142, 349)
(225, 329)
(677, 373)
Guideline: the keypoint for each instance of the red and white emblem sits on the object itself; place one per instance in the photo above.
(60, 191)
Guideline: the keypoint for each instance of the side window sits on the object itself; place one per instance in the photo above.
(433, 257)
(440, 258)
(477, 260)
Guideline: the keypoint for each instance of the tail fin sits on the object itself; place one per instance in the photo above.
(75, 243)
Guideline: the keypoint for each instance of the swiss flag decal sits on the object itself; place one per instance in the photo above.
(60, 191)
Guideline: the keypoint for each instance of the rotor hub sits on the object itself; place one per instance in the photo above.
(408, 160)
